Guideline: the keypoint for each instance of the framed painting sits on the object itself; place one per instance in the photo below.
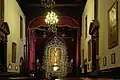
(82, 58)
(25, 52)
(55, 55)
(14, 46)
(113, 25)
(113, 58)
(86, 26)
(89, 50)
(104, 61)
(1, 10)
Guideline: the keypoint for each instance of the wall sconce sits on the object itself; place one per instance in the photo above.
(16, 67)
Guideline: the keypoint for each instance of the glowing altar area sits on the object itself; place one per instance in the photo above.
(55, 60)
(45, 46)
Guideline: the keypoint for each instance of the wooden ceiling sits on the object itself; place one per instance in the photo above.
(71, 8)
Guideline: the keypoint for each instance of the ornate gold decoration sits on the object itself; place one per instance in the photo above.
(55, 58)
(113, 26)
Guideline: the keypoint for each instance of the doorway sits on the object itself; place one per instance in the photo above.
(85, 68)
(2, 56)
(85, 65)
(94, 32)
(4, 31)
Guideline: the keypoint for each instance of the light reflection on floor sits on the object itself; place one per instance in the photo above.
(33, 78)
(87, 79)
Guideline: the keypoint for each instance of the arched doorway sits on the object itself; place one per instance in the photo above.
(4, 31)
(94, 32)
(2, 53)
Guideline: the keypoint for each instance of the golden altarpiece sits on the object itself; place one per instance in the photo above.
(55, 60)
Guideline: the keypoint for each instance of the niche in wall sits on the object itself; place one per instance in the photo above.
(82, 58)
(89, 50)
(86, 26)
(14, 46)
(88, 66)
(21, 27)
(113, 25)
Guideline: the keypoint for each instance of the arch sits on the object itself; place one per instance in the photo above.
(4, 31)
(63, 21)
(5, 28)
(55, 52)
(94, 24)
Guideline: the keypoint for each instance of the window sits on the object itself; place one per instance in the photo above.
(86, 26)
(14, 45)
(82, 56)
(89, 50)
(1, 10)
(21, 27)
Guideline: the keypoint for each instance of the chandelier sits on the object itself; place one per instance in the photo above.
(51, 17)
(52, 20)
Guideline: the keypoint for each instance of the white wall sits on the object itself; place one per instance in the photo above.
(12, 13)
(103, 7)
(89, 11)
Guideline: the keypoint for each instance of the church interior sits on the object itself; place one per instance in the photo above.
(59, 39)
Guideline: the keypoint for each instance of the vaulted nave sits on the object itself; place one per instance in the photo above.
(59, 39)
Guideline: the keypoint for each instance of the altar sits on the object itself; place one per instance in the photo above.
(55, 59)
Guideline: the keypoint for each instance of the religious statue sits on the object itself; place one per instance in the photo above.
(55, 55)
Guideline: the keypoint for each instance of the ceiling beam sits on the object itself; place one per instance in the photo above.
(56, 5)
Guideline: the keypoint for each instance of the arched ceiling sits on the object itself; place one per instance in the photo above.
(66, 27)
(63, 21)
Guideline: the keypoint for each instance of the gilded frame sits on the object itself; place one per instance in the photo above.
(113, 25)
(59, 43)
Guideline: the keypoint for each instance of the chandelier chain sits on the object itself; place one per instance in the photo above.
(51, 18)
(48, 3)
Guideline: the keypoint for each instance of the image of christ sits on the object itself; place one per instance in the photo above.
(55, 55)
